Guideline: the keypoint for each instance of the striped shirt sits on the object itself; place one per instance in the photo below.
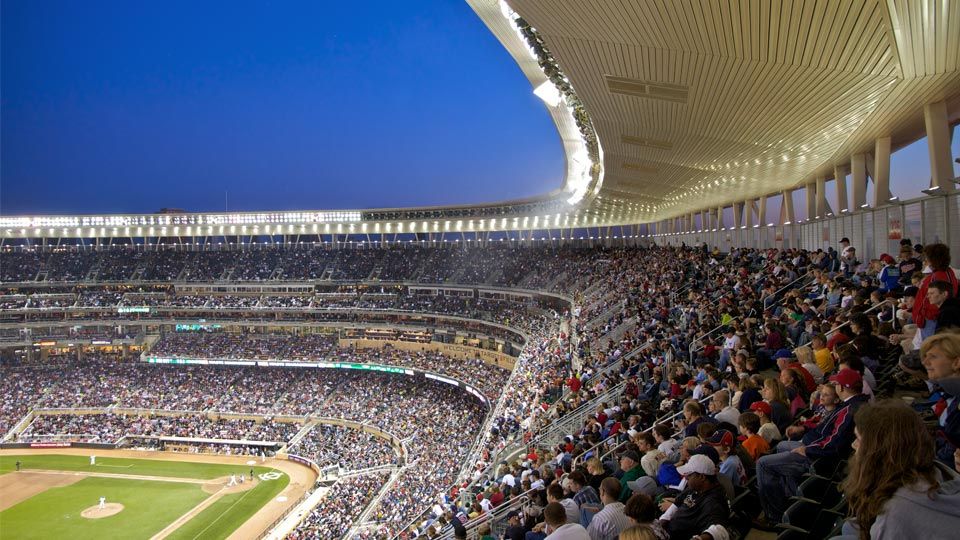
(609, 522)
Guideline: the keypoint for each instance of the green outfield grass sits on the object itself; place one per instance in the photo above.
(227, 514)
(149, 506)
(148, 467)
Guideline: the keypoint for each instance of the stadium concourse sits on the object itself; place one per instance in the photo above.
(673, 374)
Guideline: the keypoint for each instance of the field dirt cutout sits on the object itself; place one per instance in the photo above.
(95, 512)
(222, 485)
(20, 486)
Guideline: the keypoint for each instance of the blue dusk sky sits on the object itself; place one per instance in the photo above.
(119, 106)
(132, 106)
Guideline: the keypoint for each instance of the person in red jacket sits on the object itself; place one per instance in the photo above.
(938, 257)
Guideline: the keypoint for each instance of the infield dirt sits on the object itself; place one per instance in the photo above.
(20, 486)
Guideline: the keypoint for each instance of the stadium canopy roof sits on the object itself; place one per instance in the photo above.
(664, 108)
(707, 102)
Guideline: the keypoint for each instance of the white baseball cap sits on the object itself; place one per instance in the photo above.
(698, 463)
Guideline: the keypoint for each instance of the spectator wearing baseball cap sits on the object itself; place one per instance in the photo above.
(702, 506)
(515, 528)
(632, 470)
(768, 430)
(779, 474)
(848, 258)
(731, 466)
(909, 264)
(889, 275)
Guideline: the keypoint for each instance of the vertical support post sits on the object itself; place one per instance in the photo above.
(738, 215)
(720, 224)
(811, 192)
(762, 211)
(938, 143)
(750, 209)
(823, 207)
(840, 177)
(786, 209)
(858, 175)
(881, 172)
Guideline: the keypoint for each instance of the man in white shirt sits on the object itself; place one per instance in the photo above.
(731, 342)
(556, 526)
(607, 524)
(722, 410)
(848, 258)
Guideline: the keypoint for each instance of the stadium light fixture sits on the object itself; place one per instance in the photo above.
(931, 190)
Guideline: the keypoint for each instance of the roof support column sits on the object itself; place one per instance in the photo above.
(738, 215)
(840, 176)
(704, 221)
(823, 206)
(858, 175)
(720, 224)
(750, 209)
(938, 143)
(811, 192)
(762, 211)
(786, 209)
(881, 172)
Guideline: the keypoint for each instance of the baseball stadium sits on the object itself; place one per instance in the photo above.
(736, 317)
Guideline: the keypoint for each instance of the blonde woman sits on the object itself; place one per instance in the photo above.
(775, 394)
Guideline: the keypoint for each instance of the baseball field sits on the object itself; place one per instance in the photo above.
(150, 495)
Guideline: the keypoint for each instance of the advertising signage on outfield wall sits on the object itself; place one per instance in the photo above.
(271, 363)
(324, 365)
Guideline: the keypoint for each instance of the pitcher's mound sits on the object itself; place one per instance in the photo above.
(95, 512)
(222, 485)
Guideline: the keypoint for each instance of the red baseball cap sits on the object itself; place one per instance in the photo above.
(762, 406)
(847, 377)
(886, 258)
(721, 437)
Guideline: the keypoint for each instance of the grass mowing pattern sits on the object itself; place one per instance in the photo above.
(61, 507)
(148, 467)
(55, 513)
(226, 515)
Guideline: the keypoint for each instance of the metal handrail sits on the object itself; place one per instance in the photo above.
(693, 344)
(805, 275)
(837, 329)
(577, 415)
(497, 513)
(658, 421)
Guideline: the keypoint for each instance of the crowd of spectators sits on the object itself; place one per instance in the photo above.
(771, 359)
(762, 363)
(109, 428)
(529, 267)
(340, 508)
(347, 448)
(312, 346)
